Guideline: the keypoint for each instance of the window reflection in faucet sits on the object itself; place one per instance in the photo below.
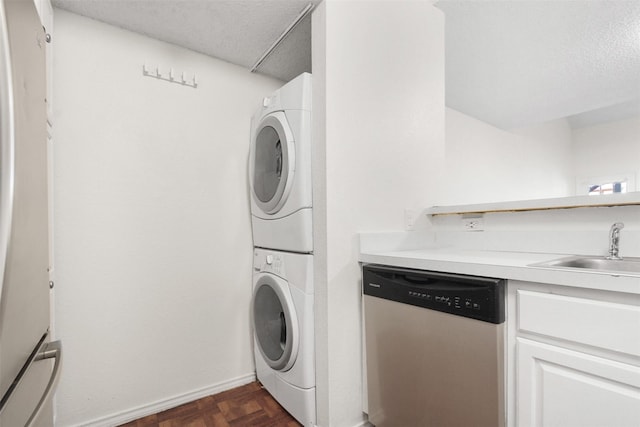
(614, 241)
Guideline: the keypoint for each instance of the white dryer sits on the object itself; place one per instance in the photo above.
(280, 169)
(283, 324)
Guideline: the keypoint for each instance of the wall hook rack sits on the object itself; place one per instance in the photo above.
(170, 76)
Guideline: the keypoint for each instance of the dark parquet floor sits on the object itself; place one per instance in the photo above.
(249, 405)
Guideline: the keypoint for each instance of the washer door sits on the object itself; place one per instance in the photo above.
(272, 162)
(275, 322)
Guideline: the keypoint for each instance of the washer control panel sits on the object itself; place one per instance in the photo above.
(268, 262)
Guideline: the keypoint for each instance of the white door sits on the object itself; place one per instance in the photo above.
(565, 388)
(272, 162)
(275, 322)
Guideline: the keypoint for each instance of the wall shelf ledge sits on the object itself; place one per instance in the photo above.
(628, 199)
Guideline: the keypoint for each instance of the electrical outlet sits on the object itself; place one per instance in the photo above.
(409, 219)
(473, 224)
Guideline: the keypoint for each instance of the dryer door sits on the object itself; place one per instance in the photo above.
(272, 162)
(275, 322)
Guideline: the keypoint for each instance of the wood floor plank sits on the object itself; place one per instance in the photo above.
(249, 405)
(219, 420)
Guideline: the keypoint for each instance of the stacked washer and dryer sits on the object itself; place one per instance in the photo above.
(282, 306)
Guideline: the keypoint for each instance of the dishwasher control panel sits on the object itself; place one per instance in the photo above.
(481, 298)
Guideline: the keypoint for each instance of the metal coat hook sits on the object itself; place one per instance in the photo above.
(170, 76)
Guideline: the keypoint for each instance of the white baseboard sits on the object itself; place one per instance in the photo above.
(362, 424)
(164, 404)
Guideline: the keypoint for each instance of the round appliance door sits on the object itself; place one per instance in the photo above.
(274, 322)
(272, 162)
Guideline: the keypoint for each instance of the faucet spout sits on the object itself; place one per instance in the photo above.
(614, 241)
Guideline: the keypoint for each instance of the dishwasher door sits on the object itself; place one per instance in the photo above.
(427, 367)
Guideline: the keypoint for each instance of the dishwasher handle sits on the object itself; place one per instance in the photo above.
(430, 279)
(418, 280)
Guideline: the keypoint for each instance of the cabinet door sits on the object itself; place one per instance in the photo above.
(565, 388)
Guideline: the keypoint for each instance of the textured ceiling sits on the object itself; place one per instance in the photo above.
(510, 63)
(514, 63)
(237, 31)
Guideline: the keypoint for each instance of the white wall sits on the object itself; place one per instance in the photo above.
(378, 148)
(583, 231)
(608, 150)
(153, 243)
(487, 164)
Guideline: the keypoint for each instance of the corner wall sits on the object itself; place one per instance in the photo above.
(608, 150)
(378, 149)
(153, 245)
(487, 164)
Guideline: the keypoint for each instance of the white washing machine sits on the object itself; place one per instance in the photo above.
(280, 169)
(283, 323)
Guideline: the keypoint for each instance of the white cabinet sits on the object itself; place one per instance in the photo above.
(574, 357)
(560, 387)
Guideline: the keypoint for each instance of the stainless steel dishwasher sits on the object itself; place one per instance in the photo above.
(434, 348)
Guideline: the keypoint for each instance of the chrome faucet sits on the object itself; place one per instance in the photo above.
(614, 241)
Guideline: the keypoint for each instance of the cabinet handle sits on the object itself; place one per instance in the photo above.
(52, 350)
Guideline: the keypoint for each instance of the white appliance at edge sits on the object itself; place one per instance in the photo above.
(27, 378)
(283, 321)
(280, 169)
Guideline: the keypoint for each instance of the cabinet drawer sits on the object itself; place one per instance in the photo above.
(606, 325)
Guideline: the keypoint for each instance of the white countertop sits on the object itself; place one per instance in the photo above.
(505, 265)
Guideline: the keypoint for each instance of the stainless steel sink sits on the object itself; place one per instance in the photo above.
(592, 263)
